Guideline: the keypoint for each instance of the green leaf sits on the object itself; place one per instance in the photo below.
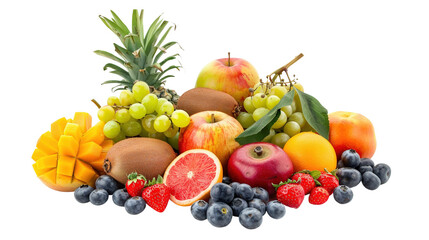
(109, 55)
(119, 22)
(314, 113)
(261, 128)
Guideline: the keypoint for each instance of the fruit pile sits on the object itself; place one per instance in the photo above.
(234, 145)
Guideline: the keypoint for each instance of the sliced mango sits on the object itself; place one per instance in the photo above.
(47, 143)
(57, 127)
(83, 119)
(94, 134)
(63, 180)
(84, 172)
(74, 130)
(68, 146)
(38, 154)
(65, 165)
(89, 151)
(40, 171)
(106, 145)
(50, 177)
(47, 162)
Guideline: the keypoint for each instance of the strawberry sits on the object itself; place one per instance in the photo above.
(135, 184)
(290, 193)
(319, 195)
(328, 181)
(156, 194)
(307, 181)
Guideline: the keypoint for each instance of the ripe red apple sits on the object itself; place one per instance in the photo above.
(231, 75)
(211, 130)
(259, 165)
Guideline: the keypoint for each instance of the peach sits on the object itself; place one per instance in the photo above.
(348, 130)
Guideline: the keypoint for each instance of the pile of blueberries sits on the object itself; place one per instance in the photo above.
(240, 200)
(352, 170)
(105, 186)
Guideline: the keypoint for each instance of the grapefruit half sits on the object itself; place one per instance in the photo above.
(191, 175)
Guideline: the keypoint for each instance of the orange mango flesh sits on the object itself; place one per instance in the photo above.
(71, 154)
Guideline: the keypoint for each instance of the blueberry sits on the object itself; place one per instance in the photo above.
(261, 193)
(199, 210)
(276, 209)
(219, 214)
(120, 196)
(234, 185)
(340, 164)
(107, 183)
(258, 204)
(383, 172)
(244, 191)
(222, 192)
(98, 197)
(211, 201)
(226, 180)
(350, 158)
(250, 218)
(135, 205)
(370, 181)
(349, 176)
(82, 193)
(366, 162)
(343, 194)
(363, 169)
(237, 205)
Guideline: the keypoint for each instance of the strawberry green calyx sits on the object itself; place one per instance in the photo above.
(134, 177)
(289, 181)
(158, 180)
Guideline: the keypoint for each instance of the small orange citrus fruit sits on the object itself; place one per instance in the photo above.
(310, 151)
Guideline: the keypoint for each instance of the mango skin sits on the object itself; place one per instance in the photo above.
(147, 156)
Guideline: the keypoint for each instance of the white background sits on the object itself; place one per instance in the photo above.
(369, 57)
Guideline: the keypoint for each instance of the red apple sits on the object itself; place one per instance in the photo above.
(211, 130)
(259, 165)
(231, 75)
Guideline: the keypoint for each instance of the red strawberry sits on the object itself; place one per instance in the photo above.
(307, 181)
(328, 181)
(156, 194)
(318, 195)
(135, 184)
(290, 193)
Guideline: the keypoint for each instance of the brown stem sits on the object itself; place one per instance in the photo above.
(258, 150)
(213, 118)
(285, 67)
(96, 103)
(229, 59)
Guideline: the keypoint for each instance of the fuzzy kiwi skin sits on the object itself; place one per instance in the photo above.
(147, 156)
(206, 99)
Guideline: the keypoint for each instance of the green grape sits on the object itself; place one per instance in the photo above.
(122, 115)
(180, 118)
(147, 123)
(245, 119)
(280, 139)
(260, 88)
(143, 133)
(106, 113)
(166, 108)
(174, 141)
(272, 101)
(299, 87)
(278, 91)
(248, 105)
(158, 135)
(299, 118)
(121, 136)
(269, 136)
(158, 106)
(150, 102)
(293, 105)
(259, 113)
(113, 100)
(111, 129)
(131, 128)
(288, 110)
(140, 89)
(126, 98)
(137, 110)
(291, 128)
(171, 131)
(162, 123)
(280, 121)
(259, 100)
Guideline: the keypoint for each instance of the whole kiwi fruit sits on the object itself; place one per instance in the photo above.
(147, 156)
(207, 99)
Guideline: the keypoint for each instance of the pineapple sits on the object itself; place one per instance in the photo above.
(142, 56)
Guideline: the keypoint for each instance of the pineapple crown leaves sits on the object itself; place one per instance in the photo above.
(142, 56)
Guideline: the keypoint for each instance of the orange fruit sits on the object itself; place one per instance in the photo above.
(191, 175)
(310, 151)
